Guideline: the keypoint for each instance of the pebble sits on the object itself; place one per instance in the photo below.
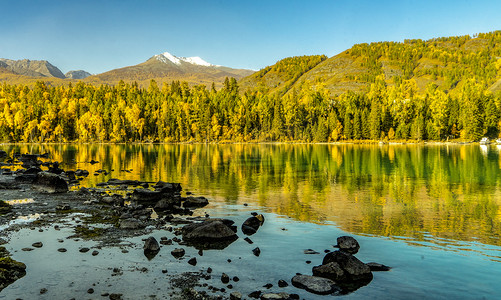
(225, 278)
(90, 291)
(62, 250)
(95, 252)
(37, 245)
(84, 250)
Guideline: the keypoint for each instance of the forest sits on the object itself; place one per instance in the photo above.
(456, 104)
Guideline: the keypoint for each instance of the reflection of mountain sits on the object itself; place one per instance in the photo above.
(407, 191)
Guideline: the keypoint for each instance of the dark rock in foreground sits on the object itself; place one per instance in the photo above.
(50, 183)
(195, 202)
(151, 248)
(314, 284)
(347, 244)
(252, 224)
(210, 234)
(354, 269)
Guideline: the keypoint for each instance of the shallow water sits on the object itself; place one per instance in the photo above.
(433, 213)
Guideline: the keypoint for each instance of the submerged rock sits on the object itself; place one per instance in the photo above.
(50, 183)
(376, 267)
(315, 285)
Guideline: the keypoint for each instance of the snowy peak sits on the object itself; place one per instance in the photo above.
(167, 57)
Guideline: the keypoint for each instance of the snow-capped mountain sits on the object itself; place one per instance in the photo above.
(166, 57)
(167, 67)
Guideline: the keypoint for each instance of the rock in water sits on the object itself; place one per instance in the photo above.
(151, 248)
(151, 244)
(315, 285)
(252, 224)
(131, 224)
(178, 252)
(10, 271)
(347, 244)
(195, 202)
(210, 234)
(331, 270)
(375, 267)
(50, 183)
(352, 266)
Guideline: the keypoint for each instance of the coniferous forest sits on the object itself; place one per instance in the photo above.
(441, 89)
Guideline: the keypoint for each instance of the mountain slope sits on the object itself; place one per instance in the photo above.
(166, 67)
(282, 75)
(77, 74)
(32, 68)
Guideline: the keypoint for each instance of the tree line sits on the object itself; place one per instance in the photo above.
(177, 112)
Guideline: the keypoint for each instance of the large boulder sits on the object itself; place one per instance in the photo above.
(315, 285)
(50, 183)
(210, 234)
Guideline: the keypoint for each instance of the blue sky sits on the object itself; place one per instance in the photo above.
(98, 36)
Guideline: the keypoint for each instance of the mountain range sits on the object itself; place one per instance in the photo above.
(445, 62)
(163, 67)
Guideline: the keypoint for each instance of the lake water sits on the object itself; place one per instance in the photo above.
(432, 212)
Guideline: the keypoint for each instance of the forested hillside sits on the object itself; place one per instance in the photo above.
(445, 88)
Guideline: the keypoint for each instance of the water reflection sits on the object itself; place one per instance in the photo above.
(410, 191)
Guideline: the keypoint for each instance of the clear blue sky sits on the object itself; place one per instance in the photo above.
(100, 35)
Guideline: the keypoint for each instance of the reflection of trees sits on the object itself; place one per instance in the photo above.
(397, 190)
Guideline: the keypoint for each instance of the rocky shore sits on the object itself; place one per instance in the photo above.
(116, 210)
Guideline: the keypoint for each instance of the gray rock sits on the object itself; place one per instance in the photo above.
(235, 296)
(354, 269)
(151, 245)
(331, 270)
(315, 285)
(195, 202)
(275, 296)
(50, 183)
(375, 267)
(212, 233)
(347, 244)
(178, 252)
(37, 244)
(131, 224)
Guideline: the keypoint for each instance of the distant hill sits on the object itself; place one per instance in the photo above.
(78, 74)
(445, 62)
(282, 75)
(166, 67)
(31, 68)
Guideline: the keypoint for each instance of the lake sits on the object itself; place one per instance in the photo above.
(432, 212)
